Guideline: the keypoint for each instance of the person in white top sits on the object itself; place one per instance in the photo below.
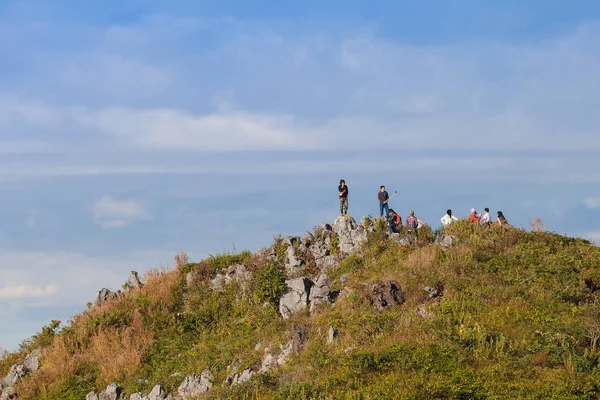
(485, 218)
(448, 218)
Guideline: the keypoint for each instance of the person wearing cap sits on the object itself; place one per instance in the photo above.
(343, 194)
(485, 218)
(473, 217)
(448, 218)
(413, 222)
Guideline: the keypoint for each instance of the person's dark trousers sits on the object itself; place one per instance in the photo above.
(384, 206)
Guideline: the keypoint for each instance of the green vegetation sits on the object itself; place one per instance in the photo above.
(518, 317)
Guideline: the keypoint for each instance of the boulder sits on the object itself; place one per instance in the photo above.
(350, 236)
(157, 393)
(296, 296)
(399, 239)
(432, 293)
(91, 396)
(332, 334)
(32, 361)
(290, 240)
(327, 263)
(240, 377)
(194, 385)
(299, 337)
(319, 293)
(103, 295)
(112, 392)
(292, 261)
(268, 363)
(8, 394)
(308, 238)
(286, 351)
(235, 273)
(15, 373)
(445, 240)
(319, 250)
(385, 294)
(134, 280)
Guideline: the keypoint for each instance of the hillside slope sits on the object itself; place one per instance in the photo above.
(472, 313)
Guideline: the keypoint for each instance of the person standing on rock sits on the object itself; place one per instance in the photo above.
(383, 198)
(343, 193)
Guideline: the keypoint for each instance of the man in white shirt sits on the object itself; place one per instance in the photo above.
(485, 218)
(448, 218)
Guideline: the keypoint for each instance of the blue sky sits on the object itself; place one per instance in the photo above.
(132, 130)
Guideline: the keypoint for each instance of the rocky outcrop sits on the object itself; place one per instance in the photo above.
(134, 280)
(385, 294)
(18, 371)
(319, 293)
(240, 377)
(91, 396)
(350, 235)
(105, 294)
(112, 392)
(194, 385)
(296, 296)
(235, 273)
(332, 334)
(157, 393)
(445, 240)
(293, 262)
(299, 337)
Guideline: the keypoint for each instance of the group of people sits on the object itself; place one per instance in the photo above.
(395, 220)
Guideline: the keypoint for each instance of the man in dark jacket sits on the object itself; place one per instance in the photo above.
(343, 193)
(383, 198)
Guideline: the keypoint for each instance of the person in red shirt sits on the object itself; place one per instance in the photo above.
(474, 217)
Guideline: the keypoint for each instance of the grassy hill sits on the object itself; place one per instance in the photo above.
(507, 313)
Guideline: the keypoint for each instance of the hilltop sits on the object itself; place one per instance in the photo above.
(345, 311)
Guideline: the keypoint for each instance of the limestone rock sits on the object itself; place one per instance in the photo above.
(268, 363)
(240, 377)
(286, 351)
(103, 295)
(235, 273)
(91, 396)
(386, 294)
(319, 293)
(134, 279)
(299, 337)
(350, 235)
(332, 334)
(15, 373)
(195, 385)
(157, 393)
(8, 394)
(308, 238)
(445, 240)
(32, 361)
(292, 261)
(296, 296)
(112, 392)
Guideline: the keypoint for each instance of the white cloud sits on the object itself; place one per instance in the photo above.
(26, 291)
(111, 213)
(592, 202)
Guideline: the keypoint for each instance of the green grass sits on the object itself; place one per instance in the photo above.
(519, 318)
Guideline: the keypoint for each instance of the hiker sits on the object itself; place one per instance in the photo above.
(343, 193)
(501, 221)
(383, 198)
(448, 218)
(394, 222)
(413, 222)
(473, 217)
(485, 218)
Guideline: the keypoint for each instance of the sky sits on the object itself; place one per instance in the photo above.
(131, 130)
